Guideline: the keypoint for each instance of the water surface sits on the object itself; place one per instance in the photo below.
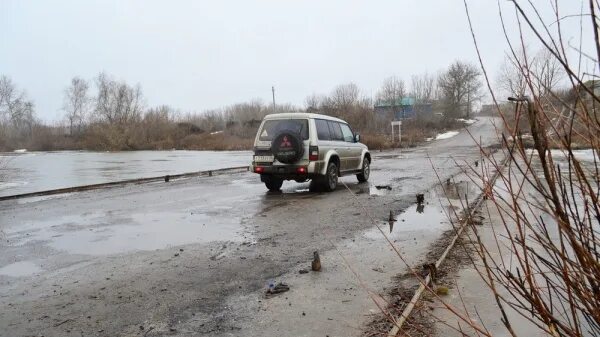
(38, 171)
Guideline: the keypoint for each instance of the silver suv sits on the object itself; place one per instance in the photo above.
(303, 146)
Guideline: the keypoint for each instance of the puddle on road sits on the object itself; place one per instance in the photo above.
(379, 189)
(457, 190)
(415, 218)
(20, 269)
(430, 216)
(103, 234)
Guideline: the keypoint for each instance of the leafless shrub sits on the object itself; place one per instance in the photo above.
(546, 265)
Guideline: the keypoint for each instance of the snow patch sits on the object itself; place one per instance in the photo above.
(466, 121)
(216, 132)
(446, 135)
(20, 151)
(581, 155)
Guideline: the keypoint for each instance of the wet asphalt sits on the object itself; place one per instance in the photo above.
(193, 257)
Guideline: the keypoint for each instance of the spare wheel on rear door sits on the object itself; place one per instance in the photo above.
(287, 147)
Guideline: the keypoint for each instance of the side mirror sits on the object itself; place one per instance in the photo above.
(356, 138)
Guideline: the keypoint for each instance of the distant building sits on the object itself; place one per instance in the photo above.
(403, 108)
(488, 110)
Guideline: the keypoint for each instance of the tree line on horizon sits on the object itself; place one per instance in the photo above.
(108, 114)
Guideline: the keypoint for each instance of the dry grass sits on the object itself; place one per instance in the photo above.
(216, 142)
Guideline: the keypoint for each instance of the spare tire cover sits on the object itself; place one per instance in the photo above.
(287, 147)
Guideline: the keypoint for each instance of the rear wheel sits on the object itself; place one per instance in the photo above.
(273, 184)
(331, 177)
(363, 176)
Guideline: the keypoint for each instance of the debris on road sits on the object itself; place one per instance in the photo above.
(303, 271)
(441, 290)
(316, 263)
(431, 270)
(378, 269)
(391, 217)
(420, 198)
(383, 187)
(63, 322)
(277, 288)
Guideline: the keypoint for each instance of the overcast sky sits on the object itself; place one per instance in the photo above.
(198, 55)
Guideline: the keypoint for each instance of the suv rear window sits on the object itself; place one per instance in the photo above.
(273, 127)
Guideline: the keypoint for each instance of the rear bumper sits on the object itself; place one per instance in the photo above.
(289, 172)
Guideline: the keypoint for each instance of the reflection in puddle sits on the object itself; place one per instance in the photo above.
(379, 190)
(426, 217)
(20, 269)
(457, 190)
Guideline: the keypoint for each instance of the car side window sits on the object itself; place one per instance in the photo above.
(322, 129)
(347, 132)
(335, 131)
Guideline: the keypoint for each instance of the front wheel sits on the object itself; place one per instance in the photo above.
(273, 184)
(363, 176)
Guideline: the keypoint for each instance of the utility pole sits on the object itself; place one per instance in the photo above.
(273, 90)
(468, 102)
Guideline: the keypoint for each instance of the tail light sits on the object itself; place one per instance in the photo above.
(301, 170)
(313, 153)
(259, 169)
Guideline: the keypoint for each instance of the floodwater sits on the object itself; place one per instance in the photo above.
(38, 171)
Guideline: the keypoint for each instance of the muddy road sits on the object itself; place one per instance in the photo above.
(193, 257)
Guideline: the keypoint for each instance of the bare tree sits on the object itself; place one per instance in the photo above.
(314, 102)
(245, 112)
(117, 102)
(524, 74)
(15, 108)
(460, 87)
(511, 78)
(547, 73)
(76, 103)
(344, 96)
(392, 90)
(423, 88)
(10, 98)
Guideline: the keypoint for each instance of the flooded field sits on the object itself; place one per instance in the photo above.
(37, 171)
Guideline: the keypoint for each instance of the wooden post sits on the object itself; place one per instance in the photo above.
(399, 124)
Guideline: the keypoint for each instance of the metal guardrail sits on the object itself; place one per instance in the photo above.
(166, 178)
